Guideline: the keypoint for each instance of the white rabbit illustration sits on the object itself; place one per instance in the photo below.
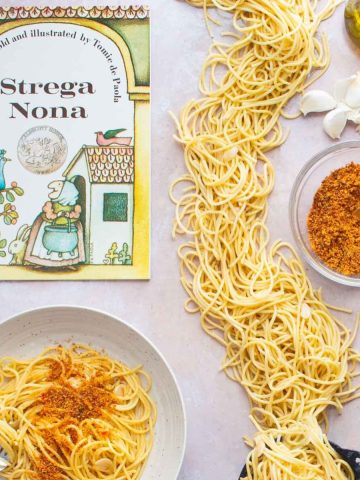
(17, 247)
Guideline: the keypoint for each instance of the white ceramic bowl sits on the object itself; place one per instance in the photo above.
(28, 333)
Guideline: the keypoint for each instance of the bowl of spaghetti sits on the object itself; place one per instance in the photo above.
(325, 212)
(84, 395)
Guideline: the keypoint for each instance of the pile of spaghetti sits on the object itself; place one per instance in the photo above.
(293, 357)
(74, 414)
(299, 451)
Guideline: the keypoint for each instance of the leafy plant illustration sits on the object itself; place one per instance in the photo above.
(3, 243)
(8, 194)
(9, 213)
(119, 257)
(124, 256)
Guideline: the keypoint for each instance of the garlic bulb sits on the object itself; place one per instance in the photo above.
(317, 101)
(335, 121)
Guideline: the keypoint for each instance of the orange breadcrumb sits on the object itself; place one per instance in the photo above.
(334, 220)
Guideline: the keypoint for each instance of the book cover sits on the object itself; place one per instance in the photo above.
(74, 143)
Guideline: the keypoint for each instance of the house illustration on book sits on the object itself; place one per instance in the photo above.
(104, 177)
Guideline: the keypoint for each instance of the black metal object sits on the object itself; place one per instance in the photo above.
(352, 457)
(243, 473)
(4, 460)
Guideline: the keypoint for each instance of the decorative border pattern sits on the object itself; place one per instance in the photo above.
(19, 13)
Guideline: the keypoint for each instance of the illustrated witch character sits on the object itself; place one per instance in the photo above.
(56, 237)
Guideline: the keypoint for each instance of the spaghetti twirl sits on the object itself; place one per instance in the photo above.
(74, 413)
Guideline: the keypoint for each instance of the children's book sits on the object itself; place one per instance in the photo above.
(74, 143)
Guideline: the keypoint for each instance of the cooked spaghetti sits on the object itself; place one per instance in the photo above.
(282, 342)
(74, 413)
(299, 452)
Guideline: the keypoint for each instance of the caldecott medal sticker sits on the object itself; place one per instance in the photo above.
(75, 143)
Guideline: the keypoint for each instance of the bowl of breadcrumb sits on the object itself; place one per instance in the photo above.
(325, 212)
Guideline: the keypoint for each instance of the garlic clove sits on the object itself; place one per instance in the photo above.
(335, 121)
(75, 382)
(343, 106)
(104, 465)
(352, 97)
(317, 101)
(260, 447)
(119, 391)
(305, 311)
(341, 88)
(354, 116)
(230, 154)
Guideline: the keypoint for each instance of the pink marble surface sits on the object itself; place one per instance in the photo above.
(217, 408)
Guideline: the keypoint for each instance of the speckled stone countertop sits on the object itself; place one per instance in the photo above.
(217, 408)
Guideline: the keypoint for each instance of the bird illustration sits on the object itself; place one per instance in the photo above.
(3, 160)
(110, 138)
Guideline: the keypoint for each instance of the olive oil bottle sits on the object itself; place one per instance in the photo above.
(352, 20)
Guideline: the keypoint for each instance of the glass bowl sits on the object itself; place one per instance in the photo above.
(306, 185)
